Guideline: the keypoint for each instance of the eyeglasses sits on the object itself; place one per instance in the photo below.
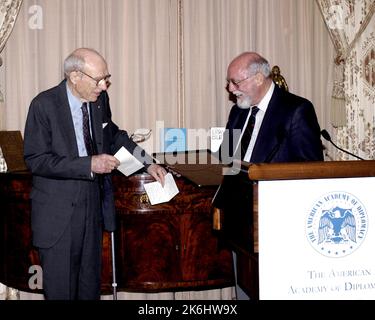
(101, 81)
(236, 83)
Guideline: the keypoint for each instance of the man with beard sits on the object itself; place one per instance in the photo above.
(267, 124)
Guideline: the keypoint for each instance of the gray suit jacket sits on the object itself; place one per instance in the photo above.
(51, 154)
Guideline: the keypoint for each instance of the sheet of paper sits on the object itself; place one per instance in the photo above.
(158, 194)
(217, 136)
(129, 163)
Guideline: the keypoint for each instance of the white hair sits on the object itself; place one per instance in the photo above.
(72, 63)
(261, 65)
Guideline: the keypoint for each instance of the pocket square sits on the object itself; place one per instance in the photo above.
(104, 124)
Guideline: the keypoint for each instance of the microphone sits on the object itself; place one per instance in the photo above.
(326, 136)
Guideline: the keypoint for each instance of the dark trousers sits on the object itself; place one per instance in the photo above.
(72, 267)
(235, 199)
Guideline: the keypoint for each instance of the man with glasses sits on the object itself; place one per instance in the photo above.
(267, 124)
(68, 145)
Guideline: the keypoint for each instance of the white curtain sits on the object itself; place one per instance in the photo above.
(289, 33)
(132, 35)
(167, 58)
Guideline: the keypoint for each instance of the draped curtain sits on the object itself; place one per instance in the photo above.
(8, 14)
(351, 25)
(168, 60)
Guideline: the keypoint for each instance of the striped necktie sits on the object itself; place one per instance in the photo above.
(86, 130)
(248, 131)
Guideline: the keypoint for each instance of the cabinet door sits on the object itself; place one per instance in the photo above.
(17, 255)
(203, 256)
(148, 251)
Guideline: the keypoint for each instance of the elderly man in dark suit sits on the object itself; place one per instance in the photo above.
(69, 140)
(267, 124)
(286, 127)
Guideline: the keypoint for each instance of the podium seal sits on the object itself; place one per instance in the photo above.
(336, 224)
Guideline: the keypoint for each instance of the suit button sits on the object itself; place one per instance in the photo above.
(73, 204)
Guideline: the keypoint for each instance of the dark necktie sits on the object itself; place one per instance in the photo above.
(248, 131)
(86, 129)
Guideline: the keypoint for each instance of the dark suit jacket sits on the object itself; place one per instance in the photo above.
(289, 132)
(51, 154)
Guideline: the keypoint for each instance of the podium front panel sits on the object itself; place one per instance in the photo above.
(317, 239)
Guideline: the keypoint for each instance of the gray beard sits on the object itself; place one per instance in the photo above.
(245, 103)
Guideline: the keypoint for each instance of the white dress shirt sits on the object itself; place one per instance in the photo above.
(263, 105)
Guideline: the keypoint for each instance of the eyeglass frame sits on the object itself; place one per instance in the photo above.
(237, 83)
(105, 78)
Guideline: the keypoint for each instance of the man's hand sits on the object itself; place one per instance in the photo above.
(104, 163)
(158, 172)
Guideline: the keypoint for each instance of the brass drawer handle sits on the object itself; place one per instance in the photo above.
(143, 199)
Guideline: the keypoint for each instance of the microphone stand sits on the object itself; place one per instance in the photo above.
(326, 136)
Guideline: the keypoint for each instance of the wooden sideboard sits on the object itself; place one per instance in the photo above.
(165, 247)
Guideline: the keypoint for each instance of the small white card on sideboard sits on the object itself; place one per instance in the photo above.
(158, 194)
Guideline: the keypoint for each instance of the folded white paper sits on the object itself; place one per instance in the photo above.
(129, 163)
(158, 194)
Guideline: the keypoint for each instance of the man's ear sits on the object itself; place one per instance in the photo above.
(74, 76)
(259, 79)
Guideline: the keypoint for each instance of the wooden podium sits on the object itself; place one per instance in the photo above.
(248, 260)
